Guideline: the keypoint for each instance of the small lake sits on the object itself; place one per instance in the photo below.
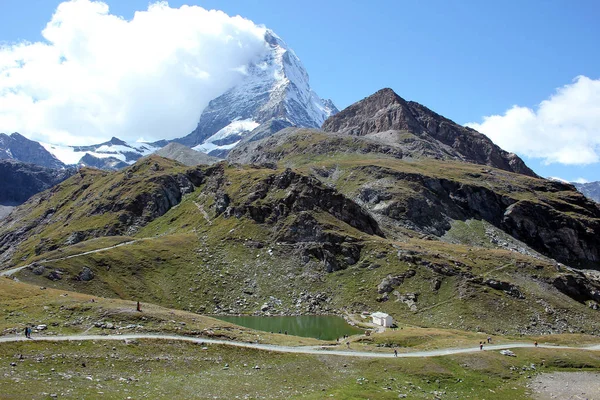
(324, 327)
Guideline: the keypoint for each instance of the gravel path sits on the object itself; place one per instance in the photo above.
(287, 349)
(12, 271)
(566, 386)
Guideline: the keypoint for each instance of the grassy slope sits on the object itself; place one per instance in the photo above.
(173, 369)
(196, 260)
(83, 203)
(197, 271)
(167, 369)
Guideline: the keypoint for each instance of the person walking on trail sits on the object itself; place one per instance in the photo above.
(535, 343)
(480, 345)
(489, 339)
(26, 331)
(395, 353)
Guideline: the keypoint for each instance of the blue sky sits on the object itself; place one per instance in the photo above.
(463, 59)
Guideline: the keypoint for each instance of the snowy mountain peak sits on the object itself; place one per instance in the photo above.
(273, 87)
(117, 151)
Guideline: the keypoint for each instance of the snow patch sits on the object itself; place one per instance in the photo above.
(71, 156)
(234, 128)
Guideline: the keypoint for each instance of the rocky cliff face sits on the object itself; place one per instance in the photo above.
(435, 136)
(426, 195)
(19, 181)
(18, 147)
(302, 212)
(564, 228)
(275, 87)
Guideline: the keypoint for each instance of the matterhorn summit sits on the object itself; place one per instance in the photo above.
(274, 89)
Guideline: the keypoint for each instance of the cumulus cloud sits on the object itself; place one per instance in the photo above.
(97, 75)
(563, 129)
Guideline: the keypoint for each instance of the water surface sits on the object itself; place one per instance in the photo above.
(325, 327)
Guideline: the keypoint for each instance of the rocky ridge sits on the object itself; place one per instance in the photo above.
(389, 117)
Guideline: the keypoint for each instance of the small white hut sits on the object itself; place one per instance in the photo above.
(382, 319)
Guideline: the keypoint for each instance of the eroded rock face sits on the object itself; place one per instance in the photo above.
(567, 230)
(386, 111)
(578, 287)
(563, 237)
(303, 193)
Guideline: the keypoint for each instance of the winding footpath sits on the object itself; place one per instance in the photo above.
(13, 271)
(317, 350)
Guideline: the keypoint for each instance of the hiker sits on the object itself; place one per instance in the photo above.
(348, 344)
(489, 339)
(535, 343)
(26, 331)
(395, 353)
(480, 345)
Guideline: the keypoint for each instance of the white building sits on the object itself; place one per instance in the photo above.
(382, 319)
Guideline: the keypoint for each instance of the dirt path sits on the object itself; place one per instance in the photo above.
(288, 349)
(12, 271)
(566, 386)
(204, 213)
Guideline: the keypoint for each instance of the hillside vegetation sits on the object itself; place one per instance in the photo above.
(402, 220)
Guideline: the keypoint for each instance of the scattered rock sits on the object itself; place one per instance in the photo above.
(55, 275)
(38, 269)
(85, 275)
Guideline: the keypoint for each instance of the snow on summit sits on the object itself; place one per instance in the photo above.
(274, 87)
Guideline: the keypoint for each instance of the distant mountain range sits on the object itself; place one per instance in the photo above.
(18, 147)
(590, 189)
(19, 181)
(110, 155)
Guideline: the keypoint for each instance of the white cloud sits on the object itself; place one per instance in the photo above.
(564, 129)
(97, 75)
